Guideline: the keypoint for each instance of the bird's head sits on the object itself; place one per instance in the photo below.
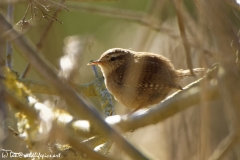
(112, 59)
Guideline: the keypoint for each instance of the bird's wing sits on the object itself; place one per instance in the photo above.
(158, 72)
(148, 73)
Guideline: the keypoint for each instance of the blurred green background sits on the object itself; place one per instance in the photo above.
(107, 32)
(142, 25)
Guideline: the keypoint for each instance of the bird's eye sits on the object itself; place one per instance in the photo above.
(113, 59)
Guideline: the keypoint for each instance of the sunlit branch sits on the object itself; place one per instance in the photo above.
(76, 103)
(174, 104)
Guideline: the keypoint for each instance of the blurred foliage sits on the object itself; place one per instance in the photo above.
(206, 131)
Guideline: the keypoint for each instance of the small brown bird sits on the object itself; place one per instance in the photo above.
(139, 79)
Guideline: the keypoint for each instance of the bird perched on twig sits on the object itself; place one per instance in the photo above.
(139, 79)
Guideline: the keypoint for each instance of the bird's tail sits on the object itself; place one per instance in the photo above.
(186, 73)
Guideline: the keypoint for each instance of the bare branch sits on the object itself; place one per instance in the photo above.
(174, 104)
(37, 86)
(39, 44)
(76, 104)
(20, 105)
(31, 113)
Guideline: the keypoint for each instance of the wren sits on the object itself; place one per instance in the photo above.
(139, 79)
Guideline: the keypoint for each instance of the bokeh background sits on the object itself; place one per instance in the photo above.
(150, 26)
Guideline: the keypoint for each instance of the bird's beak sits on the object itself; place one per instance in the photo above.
(93, 63)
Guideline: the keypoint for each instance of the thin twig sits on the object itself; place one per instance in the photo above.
(178, 5)
(58, 4)
(9, 60)
(26, 70)
(95, 72)
(12, 131)
(224, 147)
(39, 44)
(44, 14)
